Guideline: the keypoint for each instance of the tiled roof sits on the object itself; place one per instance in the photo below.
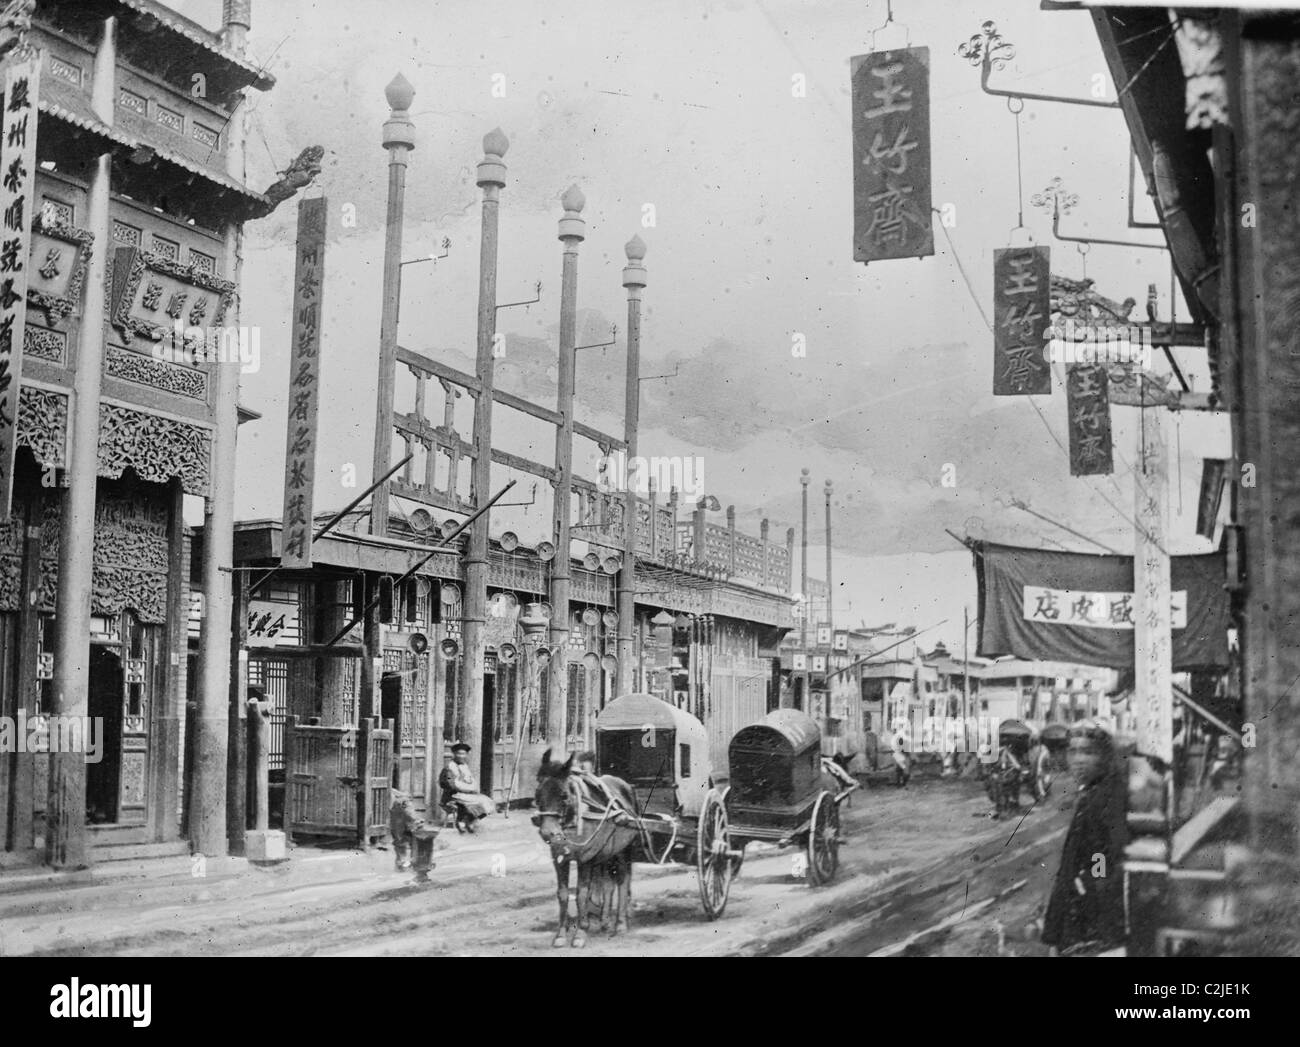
(88, 122)
(196, 34)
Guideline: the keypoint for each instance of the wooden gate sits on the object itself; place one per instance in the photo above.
(337, 779)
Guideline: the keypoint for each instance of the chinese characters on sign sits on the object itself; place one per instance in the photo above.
(17, 182)
(1093, 610)
(1021, 304)
(304, 386)
(891, 155)
(1153, 651)
(1088, 406)
(271, 623)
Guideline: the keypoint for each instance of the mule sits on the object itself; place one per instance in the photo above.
(588, 821)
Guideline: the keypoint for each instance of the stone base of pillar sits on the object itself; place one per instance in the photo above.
(265, 845)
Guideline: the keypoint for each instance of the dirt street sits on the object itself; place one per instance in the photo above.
(923, 871)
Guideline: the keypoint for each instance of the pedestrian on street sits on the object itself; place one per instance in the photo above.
(460, 795)
(902, 760)
(1085, 911)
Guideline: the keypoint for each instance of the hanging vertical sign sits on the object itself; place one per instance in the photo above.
(1088, 406)
(1021, 308)
(891, 155)
(1153, 651)
(17, 185)
(304, 386)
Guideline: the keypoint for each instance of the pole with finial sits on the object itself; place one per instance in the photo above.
(491, 179)
(830, 596)
(399, 140)
(572, 232)
(634, 279)
(804, 704)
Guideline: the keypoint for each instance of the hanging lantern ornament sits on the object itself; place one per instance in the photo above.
(545, 551)
(591, 562)
(533, 622)
(610, 618)
(591, 617)
(449, 647)
(507, 653)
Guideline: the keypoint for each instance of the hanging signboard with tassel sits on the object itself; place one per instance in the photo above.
(1021, 315)
(891, 155)
(1088, 406)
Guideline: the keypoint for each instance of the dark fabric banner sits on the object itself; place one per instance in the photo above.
(1076, 607)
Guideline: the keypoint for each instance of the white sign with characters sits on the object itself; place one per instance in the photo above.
(271, 623)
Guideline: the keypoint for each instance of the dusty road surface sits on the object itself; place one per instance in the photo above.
(923, 871)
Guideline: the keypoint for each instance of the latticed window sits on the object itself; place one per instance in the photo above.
(542, 709)
(453, 716)
(577, 700)
(503, 718)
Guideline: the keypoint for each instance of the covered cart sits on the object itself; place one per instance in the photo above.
(779, 792)
(662, 752)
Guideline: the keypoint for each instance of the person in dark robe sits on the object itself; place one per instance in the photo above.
(1085, 911)
(460, 795)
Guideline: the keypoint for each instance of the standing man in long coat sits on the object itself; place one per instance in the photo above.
(1085, 912)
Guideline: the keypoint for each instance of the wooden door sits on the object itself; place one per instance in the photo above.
(322, 780)
(337, 779)
(410, 675)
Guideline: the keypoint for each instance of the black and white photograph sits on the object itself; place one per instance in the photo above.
(702, 478)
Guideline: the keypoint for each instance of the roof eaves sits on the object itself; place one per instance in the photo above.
(196, 34)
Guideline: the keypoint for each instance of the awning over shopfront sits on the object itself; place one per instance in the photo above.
(1079, 608)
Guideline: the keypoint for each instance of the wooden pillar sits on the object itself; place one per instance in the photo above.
(571, 234)
(634, 281)
(399, 140)
(65, 816)
(731, 538)
(237, 752)
(491, 179)
(1267, 420)
(18, 770)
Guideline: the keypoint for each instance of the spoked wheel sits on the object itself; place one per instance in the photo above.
(824, 841)
(713, 856)
(738, 848)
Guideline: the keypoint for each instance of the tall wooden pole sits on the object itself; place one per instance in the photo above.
(65, 817)
(804, 703)
(572, 232)
(830, 586)
(1153, 654)
(399, 140)
(491, 179)
(634, 279)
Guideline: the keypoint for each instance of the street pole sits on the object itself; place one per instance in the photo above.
(634, 279)
(491, 178)
(804, 704)
(1153, 654)
(572, 232)
(65, 818)
(399, 140)
(830, 603)
(965, 680)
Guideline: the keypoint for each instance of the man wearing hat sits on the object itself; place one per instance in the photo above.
(460, 795)
(1085, 912)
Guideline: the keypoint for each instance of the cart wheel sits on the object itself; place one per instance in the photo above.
(738, 846)
(713, 856)
(824, 841)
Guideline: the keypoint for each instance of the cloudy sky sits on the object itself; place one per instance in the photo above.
(689, 107)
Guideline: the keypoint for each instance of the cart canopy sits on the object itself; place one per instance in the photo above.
(784, 732)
